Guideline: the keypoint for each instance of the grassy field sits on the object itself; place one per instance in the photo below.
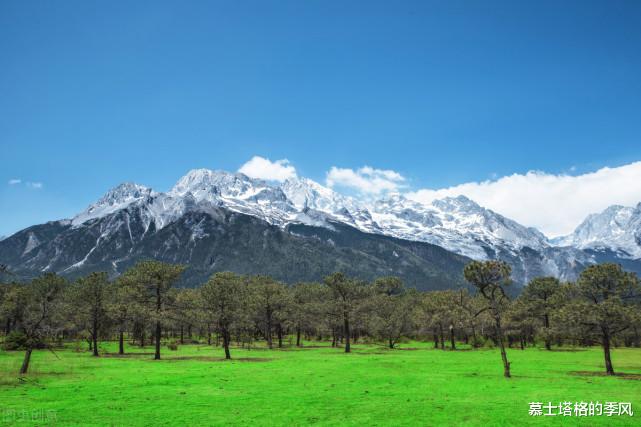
(373, 386)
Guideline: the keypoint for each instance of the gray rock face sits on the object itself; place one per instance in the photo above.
(616, 229)
(219, 239)
(215, 220)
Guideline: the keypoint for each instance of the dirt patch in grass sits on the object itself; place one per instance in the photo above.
(622, 375)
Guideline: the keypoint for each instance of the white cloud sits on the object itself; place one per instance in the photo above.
(35, 185)
(555, 204)
(18, 181)
(366, 180)
(262, 168)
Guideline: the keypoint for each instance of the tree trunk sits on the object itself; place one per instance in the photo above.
(499, 332)
(391, 343)
(121, 342)
(435, 340)
(298, 336)
(452, 342)
(157, 341)
(546, 323)
(347, 332)
(440, 326)
(94, 336)
(280, 336)
(25, 362)
(268, 332)
(208, 334)
(606, 351)
(226, 339)
(158, 329)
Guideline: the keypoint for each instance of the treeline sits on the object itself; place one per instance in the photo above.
(144, 307)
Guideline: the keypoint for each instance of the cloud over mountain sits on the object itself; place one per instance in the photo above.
(555, 204)
(365, 180)
(261, 168)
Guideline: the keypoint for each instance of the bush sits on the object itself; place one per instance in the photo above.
(173, 345)
(488, 344)
(15, 341)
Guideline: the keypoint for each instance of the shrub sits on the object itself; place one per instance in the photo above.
(173, 345)
(15, 341)
(488, 344)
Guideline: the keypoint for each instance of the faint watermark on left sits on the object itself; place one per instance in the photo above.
(20, 415)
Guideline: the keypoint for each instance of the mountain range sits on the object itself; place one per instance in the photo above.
(299, 230)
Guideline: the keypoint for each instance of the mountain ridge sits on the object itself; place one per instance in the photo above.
(457, 224)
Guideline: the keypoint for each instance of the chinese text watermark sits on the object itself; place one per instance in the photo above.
(580, 409)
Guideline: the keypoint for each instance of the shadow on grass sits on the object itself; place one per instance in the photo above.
(126, 355)
(622, 375)
(169, 358)
(31, 378)
(217, 359)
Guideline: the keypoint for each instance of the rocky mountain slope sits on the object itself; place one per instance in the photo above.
(617, 229)
(301, 230)
(218, 239)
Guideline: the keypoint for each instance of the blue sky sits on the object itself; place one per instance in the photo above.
(444, 93)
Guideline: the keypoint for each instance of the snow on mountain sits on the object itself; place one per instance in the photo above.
(455, 223)
(617, 228)
(237, 192)
(134, 212)
(307, 195)
(117, 198)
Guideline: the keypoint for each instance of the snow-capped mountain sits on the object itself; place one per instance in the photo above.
(617, 228)
(455, 223)
(218, 221)
(131, 216)
(115, 199)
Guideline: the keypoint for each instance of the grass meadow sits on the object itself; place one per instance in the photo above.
(414, 385)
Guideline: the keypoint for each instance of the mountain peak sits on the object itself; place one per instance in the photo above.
(115, 199)
(616, 228)
(203, 183)
(456, 223)
(307, 193)
(127, 189)
(458, 203)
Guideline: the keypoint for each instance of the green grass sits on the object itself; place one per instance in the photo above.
(372, 386)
